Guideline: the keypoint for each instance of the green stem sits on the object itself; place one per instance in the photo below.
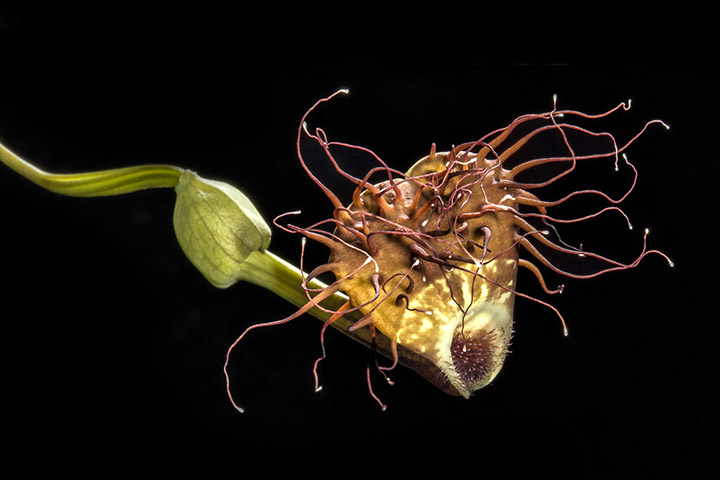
(261, 267)
(267, 270)
(95, 184)
(271, 272)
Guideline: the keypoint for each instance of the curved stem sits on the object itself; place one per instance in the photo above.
(265, 269)
(95, 184)
(261, 267)
(284, 279)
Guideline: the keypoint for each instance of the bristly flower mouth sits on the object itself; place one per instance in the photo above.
(474, 357)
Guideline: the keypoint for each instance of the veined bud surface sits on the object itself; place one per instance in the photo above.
(218, 228)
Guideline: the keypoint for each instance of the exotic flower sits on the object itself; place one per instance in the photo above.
(429, 257)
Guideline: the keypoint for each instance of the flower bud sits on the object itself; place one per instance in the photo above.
(218, 228)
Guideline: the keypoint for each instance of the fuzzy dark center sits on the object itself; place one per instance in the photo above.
(473, 356)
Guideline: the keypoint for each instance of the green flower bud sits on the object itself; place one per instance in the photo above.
(218, 228)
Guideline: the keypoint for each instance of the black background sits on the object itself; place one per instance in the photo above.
(114, 344)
